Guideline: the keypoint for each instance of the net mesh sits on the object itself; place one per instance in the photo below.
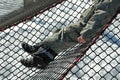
(101, 61)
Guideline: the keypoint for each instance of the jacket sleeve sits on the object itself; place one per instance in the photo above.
(103, 13)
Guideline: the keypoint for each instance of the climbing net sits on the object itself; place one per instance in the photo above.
(101, 60)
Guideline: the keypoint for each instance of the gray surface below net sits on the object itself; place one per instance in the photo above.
(7, 6)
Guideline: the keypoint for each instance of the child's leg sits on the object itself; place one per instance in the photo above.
(39, 59)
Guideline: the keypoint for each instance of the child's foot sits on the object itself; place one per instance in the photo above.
(33, 62)
(28, 48)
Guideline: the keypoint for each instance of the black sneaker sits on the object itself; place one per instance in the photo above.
(28, 48)
(33, 62)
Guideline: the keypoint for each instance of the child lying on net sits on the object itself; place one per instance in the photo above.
(83, 31)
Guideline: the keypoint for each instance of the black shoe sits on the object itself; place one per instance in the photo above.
(33, 62)
(28, 48)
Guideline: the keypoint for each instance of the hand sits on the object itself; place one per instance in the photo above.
(81, 40)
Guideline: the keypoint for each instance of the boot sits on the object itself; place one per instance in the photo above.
(36, 62)
(29, 48)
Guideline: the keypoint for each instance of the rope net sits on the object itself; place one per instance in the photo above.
(101, 60)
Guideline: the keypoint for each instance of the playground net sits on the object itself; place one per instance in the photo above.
(99, 60)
